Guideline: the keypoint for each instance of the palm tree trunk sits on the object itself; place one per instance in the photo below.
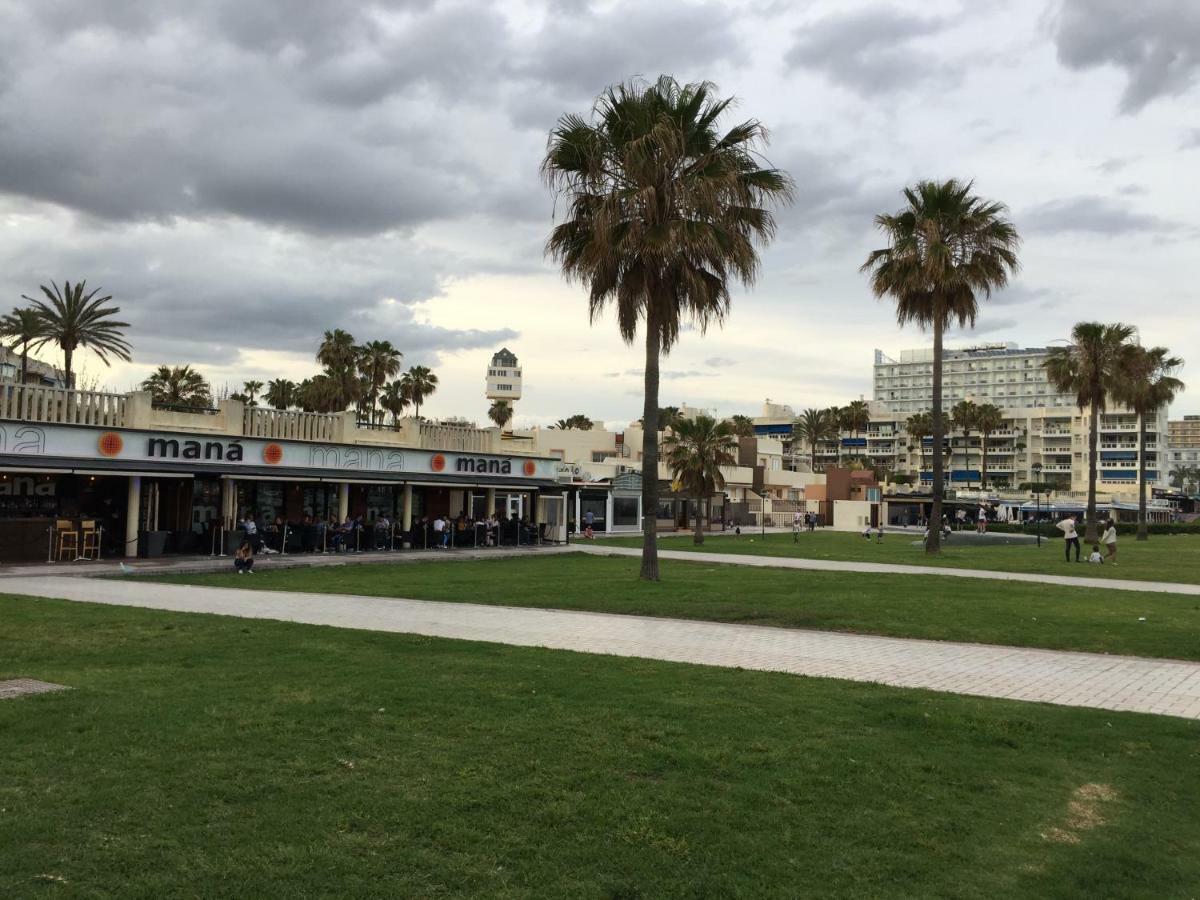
(983, 462)
(67, 354)
(698, 534)
(934, 544)
(1143, 530)
(649, 571)
(1090, 533)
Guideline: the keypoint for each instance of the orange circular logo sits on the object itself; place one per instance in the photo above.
(530, 467)
(110, 443)
(272, 454)
(438, 462)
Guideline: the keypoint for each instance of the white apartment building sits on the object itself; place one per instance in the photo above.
(1002, 374)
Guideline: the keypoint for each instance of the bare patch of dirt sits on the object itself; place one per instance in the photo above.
(1085, 811)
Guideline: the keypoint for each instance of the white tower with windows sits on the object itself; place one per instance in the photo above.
(504, 377)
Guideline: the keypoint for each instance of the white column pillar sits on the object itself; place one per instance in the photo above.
(490, 494)
(343, 501)
(608, 512)
(406, 512)
(133, 504)
(578, 520)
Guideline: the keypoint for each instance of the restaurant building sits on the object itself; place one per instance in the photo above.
(144, 481)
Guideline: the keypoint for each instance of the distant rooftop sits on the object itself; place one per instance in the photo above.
(925, 354)
(504, 357)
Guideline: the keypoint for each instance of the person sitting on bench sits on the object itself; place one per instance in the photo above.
(243, 559)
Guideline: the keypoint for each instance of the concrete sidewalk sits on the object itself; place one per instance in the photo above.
(834, 565)
(1167, 687)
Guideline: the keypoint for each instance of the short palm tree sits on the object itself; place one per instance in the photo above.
(179, 386)
(320, 394)
(73, 320)
(962, 417)
(695, 451)
(854, 417)
(989, 418)
(251, 389)
(394, 399)
(377, 362)
(1090, 367)
(663, 211)
(23, 327)
(919, 426)
(281, 393)
(814, 426)
(578, 421)
(419, 383)
(945, 248)
(743, 426)
(500, 413)
(1146, 385)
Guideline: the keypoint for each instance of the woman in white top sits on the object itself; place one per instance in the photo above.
(1109, 540)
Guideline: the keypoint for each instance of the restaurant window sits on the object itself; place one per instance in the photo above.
(625, 511)
(206, 503)
(597, 505)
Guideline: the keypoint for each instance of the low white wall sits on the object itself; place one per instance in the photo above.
(851, 515)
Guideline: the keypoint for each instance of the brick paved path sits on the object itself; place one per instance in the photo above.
(1072, 679)
(834, 565)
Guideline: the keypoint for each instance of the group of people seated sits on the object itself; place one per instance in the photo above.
(318, 534)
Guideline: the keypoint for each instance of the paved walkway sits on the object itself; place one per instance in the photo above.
(1072, 679)
(834, 565)
(184, 565)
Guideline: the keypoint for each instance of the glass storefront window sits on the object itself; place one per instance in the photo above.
(597, 504)
(625, 511)
(382, 501)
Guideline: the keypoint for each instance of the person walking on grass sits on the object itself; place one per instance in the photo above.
(1109, 540)
(1070, 536)
(797, 521)
(981, 520)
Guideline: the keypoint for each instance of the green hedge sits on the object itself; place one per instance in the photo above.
(1049, 530)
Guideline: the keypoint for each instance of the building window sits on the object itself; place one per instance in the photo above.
(625, 511)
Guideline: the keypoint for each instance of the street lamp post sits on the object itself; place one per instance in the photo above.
(1036, 468)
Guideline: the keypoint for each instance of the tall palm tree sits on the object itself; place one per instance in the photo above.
(419, 382)
(500, 413)
(178, 386)
(377, 362)
(394, 399)
(743, 426)
(72, 319)
(946, 247)
(695, 451)
(578, 421)
(1146, 385)
(835, 431)
(22, 326)
(1090, 367)
(281, 393)
(338, 353)
(251, 389)
(663, 211)
(989, 418)
(813, 426)
(962, 417)
(919, 426)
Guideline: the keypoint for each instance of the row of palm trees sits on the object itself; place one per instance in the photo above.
(1185, 478)
(365, 376)
(70, 317)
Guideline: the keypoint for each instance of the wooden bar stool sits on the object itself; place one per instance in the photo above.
(68, 538)
(91, 539)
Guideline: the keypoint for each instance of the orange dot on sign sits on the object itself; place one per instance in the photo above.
(438, 462)
(272, 454)
(530, 468)
(110, 443)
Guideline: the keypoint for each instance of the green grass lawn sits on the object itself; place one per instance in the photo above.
(1165, 557)
(921, 606)
(207, 757)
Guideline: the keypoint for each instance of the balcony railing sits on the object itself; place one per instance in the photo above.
(455, 437)
(285, 424)
(57, 406)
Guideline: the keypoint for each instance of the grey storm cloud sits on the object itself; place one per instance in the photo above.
(1156, 43)
(870, 51)
(720, 362)
(1092, 215)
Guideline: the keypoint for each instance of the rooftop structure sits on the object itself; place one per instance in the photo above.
(504, 377)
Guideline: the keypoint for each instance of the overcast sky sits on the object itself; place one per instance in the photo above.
(242, 176)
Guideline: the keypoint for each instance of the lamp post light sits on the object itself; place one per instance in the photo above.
(1036, 468)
